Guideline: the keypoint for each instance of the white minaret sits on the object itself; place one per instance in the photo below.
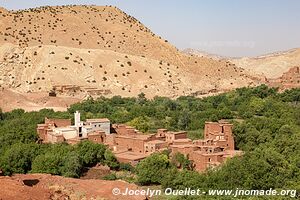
(77, 119)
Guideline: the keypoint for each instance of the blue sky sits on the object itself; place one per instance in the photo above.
(224, 27)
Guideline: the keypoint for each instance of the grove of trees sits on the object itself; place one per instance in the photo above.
(266, 128)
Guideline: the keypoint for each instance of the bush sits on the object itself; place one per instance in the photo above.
(126, 167)
(111, 177)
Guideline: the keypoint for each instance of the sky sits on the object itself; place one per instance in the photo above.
(234, 28)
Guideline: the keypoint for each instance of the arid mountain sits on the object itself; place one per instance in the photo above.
(271, 65)
(288, 80)
(278, 67)
(202, 54)
(100, 50)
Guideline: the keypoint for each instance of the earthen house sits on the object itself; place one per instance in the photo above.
(130, 145)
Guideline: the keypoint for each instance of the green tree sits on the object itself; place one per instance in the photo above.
(110, 160)
(181, 161)
(90, 153)
(18, 158)
(184, 120)
(54, 160)
(152, 169)
(141, 123)
(72, 165)
(1, 115)
(49, 163)
(141, 98)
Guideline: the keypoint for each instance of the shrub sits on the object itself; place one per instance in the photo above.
(111, 177)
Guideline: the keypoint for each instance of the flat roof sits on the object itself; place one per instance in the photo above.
(209, 154)
(183, 140)
(76, 139)
(98, 120)
(176, 133)
(65, 129)
(96, 133)
(220, 122)
(136, 137)
(182, 146)
(130, 155)
(156, 142)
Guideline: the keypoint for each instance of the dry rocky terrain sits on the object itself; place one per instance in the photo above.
(99, 50)
(271, 65)
(280, 69)
(48, 187)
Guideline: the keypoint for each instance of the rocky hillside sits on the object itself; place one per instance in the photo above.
(101, 50)
(289, 79)
(271, 65)
(202, 54)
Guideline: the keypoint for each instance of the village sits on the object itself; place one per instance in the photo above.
(131, 146)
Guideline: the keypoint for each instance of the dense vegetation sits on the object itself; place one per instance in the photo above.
(266, 128)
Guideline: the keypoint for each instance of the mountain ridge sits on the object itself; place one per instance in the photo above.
(104, 48)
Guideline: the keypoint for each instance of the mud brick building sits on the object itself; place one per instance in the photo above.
(131, 146)
(214, 149)
(61, 130)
